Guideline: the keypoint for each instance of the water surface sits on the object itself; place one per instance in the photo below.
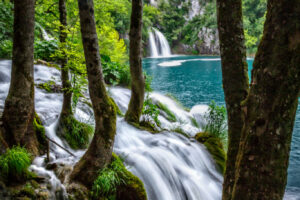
(198, 80)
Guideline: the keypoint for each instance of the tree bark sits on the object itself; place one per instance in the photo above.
(271, 106)
(19, 111)
(235, 80)
(99, 152)
(67, 102)
(137, 78)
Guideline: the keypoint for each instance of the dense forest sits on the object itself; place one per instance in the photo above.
(149, 99)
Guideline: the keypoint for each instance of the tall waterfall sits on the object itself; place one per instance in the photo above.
(159, 46)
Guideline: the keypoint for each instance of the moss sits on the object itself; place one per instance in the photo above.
(145, 125)
(77, 134)
(215, 147)
(50, 87)
(14, 165)
(171, 96)
(116, 182)
(119, 112)
(40, 132)
(180, 131)
(170, 115)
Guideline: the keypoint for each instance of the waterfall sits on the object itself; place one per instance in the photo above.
(159, 46)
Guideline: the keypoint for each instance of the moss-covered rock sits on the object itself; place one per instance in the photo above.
(77, 134)
(215, 147)
(116, 182)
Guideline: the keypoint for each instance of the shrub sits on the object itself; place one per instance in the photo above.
(216, 120)
(115, 73)
(45, 49)
(151, 110)
(14, 164)
(6, 47)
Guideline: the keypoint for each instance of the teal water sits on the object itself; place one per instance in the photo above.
(198, 80)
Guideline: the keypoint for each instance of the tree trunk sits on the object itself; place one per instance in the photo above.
(67, 102)
(99, 152)
(235, 80)
(271, 106)
(19, 112)
(137, 78)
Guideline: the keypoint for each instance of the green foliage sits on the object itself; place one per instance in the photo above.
(14, 164)
(116, 182)
(76, 133)
(151, 18)
(170, 115)
(148, 81)
(115, 73)
(151, 110)
(6, 29)
(45, 49)
(216, 120)
(6, 47)
(109, 179)
(253, 17)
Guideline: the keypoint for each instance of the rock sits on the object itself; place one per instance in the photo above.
(77, 191)
(215, 147)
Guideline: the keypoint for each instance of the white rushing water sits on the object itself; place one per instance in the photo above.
(159, 46)
(171, 166)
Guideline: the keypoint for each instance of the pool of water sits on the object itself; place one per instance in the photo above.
(198, 80)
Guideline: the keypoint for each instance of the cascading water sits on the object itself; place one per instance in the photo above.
(172, 166)
(159, 46)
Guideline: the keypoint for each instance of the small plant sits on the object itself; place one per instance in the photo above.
(151, 110)
(109, 179)
(216, 120)
(14, 164)
(50, 87)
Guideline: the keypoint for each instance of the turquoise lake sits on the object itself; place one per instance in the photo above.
(198, 80)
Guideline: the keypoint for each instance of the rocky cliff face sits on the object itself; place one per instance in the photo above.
(202, 17)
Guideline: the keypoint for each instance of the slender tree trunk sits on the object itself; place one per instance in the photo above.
(67, 102)
(235, 80)
(137, 78)
(271, 106)
(100, 150)
(19, 111)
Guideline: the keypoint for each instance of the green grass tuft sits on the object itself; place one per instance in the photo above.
(170, 115)
(14, 164)
(115, 180)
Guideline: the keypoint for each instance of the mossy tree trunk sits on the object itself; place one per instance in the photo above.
(235, 79)
(99, 152)
(137, 78)
(19, 113)
(271, 106)
(67, 87)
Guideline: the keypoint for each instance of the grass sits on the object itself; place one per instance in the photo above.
(170, 115)
(116, 182)
(76, 133)
(14, 164)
